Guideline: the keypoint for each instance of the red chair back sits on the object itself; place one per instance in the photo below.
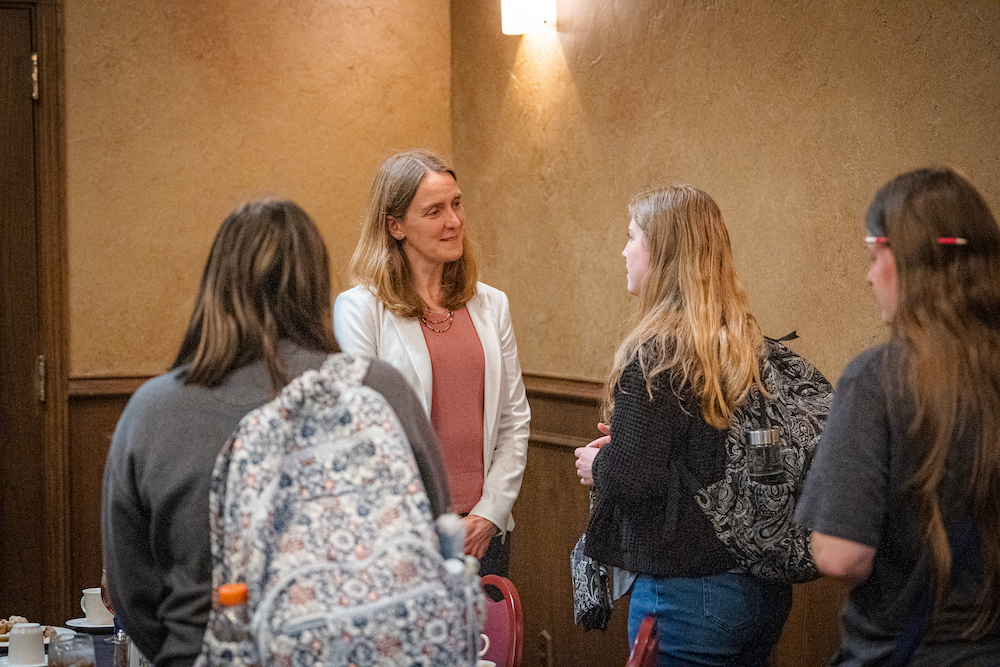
(646, 647)
(504, 625)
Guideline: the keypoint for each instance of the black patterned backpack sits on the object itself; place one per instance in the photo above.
(318, 506)
(754, 519)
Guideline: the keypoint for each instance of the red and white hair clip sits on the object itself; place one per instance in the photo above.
(943, 240)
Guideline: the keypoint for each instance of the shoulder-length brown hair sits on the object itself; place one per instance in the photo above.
(948, 319)
(379, 262)
(267, 279)
(693, 315)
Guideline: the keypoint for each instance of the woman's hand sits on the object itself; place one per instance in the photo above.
(585, 455)
(478, 533)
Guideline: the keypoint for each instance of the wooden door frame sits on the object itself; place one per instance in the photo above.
(50, 207)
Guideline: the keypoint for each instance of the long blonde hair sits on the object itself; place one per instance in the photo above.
(267, 279)
(379, 262)
(693, 316)
(948, 319)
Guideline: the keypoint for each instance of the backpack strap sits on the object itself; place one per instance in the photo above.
(761, 403)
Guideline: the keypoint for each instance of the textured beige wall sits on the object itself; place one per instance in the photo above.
(789, 113)
(178, 110)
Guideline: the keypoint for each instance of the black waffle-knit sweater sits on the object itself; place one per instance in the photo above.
(645, 519)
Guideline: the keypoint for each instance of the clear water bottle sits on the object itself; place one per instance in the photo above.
(764, 456)
(233, 621)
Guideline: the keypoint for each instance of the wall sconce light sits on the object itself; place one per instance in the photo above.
(521, 16)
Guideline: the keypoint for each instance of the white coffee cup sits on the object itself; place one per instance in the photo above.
(485, 648)
(93, 607)
(27, 646)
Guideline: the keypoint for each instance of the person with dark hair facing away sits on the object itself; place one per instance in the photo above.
(902, 497)
(261, 318)
(418, 305)
(690, 360)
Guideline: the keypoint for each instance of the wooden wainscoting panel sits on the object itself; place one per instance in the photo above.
(812, 631)
(93, 415)
(551, 513)
(564, 411)
(106, 387)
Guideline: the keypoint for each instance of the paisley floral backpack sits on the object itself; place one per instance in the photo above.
(753, 519)
(318, 506)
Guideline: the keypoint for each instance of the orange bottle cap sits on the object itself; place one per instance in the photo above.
(231, 595)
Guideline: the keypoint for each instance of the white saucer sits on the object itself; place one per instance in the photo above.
(87, 625)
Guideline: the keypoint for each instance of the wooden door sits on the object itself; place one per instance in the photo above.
(22, 469)
(33, 472)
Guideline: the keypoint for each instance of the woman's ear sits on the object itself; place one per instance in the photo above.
(395, 229)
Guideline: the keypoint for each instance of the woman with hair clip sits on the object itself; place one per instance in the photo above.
(902, 495)
(689, 361)
(261, 318)
(417, 304)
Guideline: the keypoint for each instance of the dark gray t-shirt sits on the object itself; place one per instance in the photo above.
(855, 491)
(154, 518)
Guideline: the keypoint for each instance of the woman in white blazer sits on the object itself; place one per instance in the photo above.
(417, 305)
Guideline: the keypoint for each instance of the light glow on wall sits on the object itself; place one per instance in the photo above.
(525, 16)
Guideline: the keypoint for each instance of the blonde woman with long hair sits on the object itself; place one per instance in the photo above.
(904, 493)
(689, 361)
(418, 305)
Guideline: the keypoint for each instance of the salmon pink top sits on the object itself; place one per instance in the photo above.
(458, 369)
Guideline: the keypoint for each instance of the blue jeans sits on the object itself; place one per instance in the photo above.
(726, 619)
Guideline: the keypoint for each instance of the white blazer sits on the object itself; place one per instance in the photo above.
(363, 325)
